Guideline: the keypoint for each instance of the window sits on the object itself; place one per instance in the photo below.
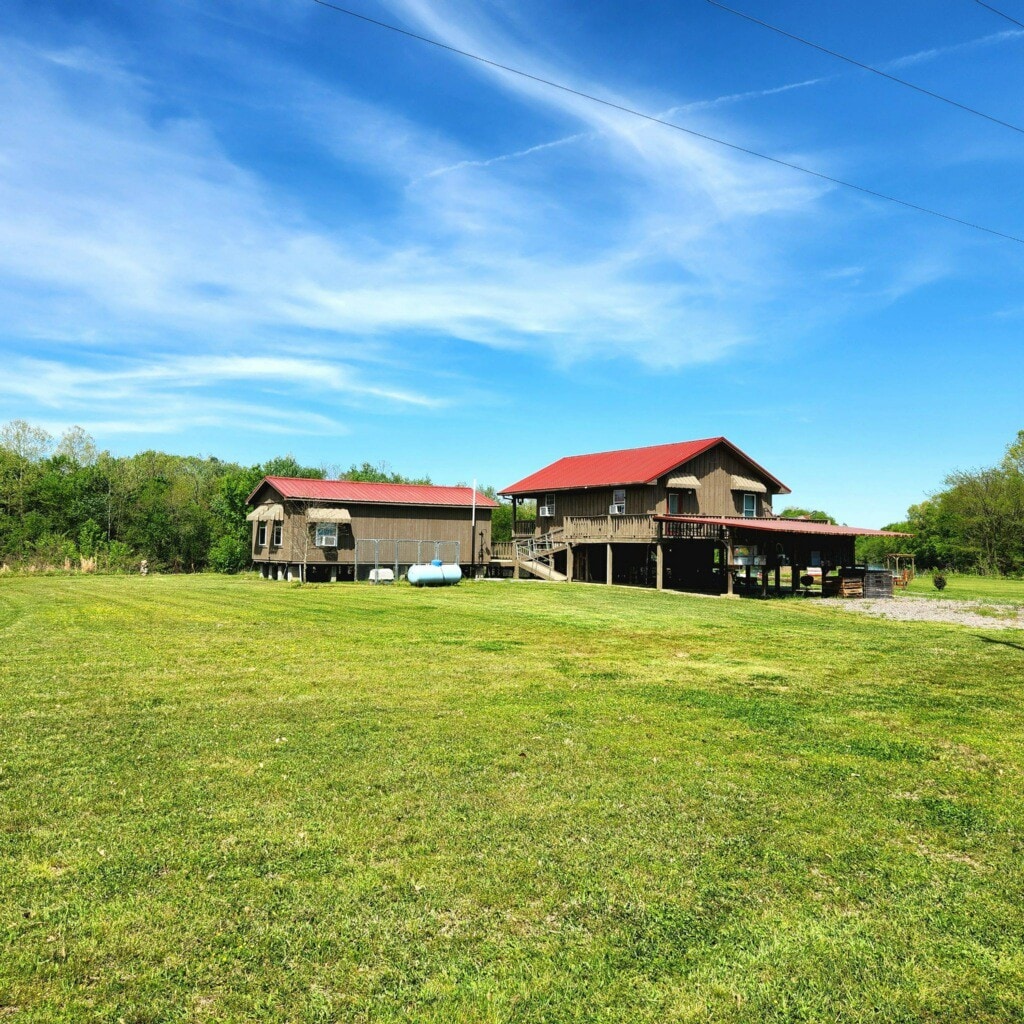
(277, 534)
(261, 534)
(326, 535)
(619, 496)
(749, 506)
(548, 508)
(673, 503)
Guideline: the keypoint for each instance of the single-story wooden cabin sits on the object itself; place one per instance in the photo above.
(328, 530)
(694, 515)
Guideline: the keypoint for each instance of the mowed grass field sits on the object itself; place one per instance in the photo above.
(225, 799)
(963, 587)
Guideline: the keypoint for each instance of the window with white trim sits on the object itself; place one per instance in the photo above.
(749, 506)
(261, 534)
(278, 535)
(619, 496)
(326, 535)
(673, 503)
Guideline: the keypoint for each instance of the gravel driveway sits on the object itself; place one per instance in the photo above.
(978, 614)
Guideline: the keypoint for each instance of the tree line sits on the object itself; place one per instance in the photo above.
(975, 524)
(65, 504)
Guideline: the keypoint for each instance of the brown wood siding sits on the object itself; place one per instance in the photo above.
(715, 496)
(594, 501)
(369, 522)
(714, 470)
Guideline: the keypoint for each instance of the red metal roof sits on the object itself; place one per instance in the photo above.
(379, 494)
(783, 525)
(626, 466)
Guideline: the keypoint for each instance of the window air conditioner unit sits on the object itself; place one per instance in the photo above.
(546, 511)
(617, 510)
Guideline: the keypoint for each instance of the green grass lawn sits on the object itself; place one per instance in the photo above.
(994, 589)
(229, 800)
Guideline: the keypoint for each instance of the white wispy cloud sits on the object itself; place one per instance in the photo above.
(173, 394)
(934, 53)
(131, 231)
(462, 165)
(120, 220)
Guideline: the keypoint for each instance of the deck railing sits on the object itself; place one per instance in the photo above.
(578, 529)
(539, 547)
(503, 549)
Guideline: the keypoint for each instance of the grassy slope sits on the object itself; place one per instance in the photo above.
(230, 800)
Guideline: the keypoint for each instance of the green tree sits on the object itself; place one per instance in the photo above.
(77, 446)
(501, 519)
(24, 447)
(380, 473)
(286, 465)
(231, 548)
(872, 550)
(1013, 460)
(802, 513)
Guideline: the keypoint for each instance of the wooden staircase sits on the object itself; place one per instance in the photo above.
(535, 555)
(541, 570)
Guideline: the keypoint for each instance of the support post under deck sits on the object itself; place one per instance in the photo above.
(727, 566)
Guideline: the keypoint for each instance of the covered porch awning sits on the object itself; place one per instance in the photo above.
(266, 513)
(749, 484)
(327, 514)
(683, 481)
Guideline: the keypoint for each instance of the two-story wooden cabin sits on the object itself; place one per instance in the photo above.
(695, 515)
(341, 529)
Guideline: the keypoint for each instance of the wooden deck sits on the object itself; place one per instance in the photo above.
(609, 529)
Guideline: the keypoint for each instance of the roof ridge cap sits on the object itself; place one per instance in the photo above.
(643, 447)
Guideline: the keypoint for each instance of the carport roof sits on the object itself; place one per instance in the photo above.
(782, 525)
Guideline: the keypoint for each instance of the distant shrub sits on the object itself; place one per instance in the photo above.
(229, 554)
(117, 557)
(939, 580)
(90, 538)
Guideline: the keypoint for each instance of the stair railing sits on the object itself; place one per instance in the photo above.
(543, 546)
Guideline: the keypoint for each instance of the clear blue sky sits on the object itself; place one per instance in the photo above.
(246, 229)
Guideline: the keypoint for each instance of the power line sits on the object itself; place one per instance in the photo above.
(670, 124)
(1000, 13)
(867, 67)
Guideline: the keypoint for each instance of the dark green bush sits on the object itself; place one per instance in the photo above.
(229, 554)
